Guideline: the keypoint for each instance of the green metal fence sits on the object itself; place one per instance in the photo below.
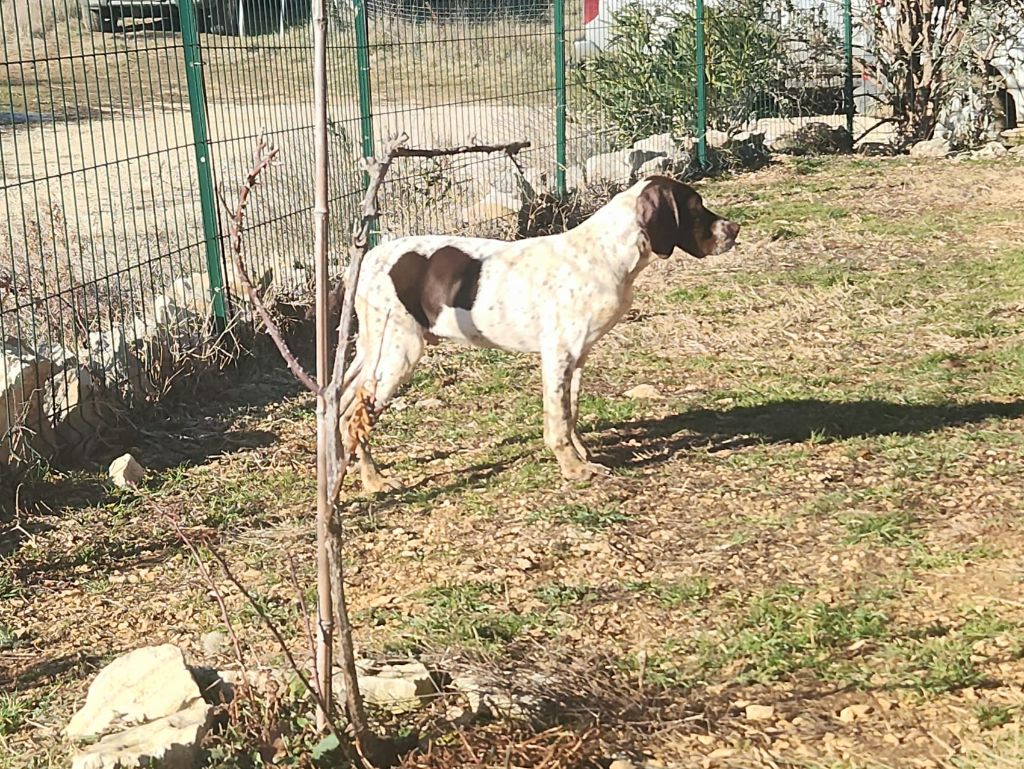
(122, 123)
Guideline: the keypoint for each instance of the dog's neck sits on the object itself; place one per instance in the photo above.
(614, 237)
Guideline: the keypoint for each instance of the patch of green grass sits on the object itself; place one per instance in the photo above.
(938, 659)
(663, 666)
(805, 166)
(584, 516)
(14, 710)
(930, 559)
(7, 638)
(279, 611)
(821, 276)
(9, 587)
(598, 410)
(827, 504)
(700, 295)
(894, 529)
(782, 634)
(993, 716)
(224, 500)
(937, 665)
(467, 615)
(531, 474)
(557, 595)
(787, 232)
(672, 595)
(793, 209)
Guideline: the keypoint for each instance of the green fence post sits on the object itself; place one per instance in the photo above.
(848, 44)
(560, 96)
(365, 104)
(207, 199)
(702, 96)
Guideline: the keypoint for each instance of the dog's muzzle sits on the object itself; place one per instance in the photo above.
(725, 234)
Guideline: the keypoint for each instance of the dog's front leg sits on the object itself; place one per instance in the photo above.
(574, 394)
(558, 369)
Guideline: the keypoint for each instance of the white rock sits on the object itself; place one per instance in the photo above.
(655, 166)
(990, 151)
(514, 184)
(114, 359)
(644, 392)
(759, 712)
(853, 713)
(126, 472)
(663, 144)
(138, 687)
(471, 689)
(23, 378)
(619, 167)
(170, 742)
(1018, 150)
(575, 177)
(429, 403)
(487, 701)
(495, 205)
(932, 148)
(1013, 136)
(716, 138)
(214, 643)
(397, 688)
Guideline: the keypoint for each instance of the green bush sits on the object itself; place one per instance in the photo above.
(645, 82)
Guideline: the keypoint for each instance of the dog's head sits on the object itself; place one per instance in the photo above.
(673, 216)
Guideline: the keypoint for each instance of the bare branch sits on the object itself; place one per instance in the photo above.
(413, 152)
(212, 583)
(272, 627)
(264, 156)
(305, 612)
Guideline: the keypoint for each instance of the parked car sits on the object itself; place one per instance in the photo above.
(228, 17)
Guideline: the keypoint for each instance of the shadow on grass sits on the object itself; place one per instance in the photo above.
(651, 441)
(33, 673)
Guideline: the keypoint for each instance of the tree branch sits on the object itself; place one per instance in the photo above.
(262, 159)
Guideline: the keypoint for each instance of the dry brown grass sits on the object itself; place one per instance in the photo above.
(26, 23)
(821, 516)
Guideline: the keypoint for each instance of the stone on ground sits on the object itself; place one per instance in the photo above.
(126, 472)
(932, 148)
(144, 685)
(171, 742)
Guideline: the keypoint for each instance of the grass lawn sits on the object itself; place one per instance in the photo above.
(821, 516)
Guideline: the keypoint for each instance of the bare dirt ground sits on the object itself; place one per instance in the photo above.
(809, 554)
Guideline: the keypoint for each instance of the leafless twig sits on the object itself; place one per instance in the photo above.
(212, 584)
(263, 157)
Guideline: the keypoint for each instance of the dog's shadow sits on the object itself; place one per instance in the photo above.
(653, 441)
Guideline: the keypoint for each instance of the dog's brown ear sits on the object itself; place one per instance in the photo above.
(663, 213)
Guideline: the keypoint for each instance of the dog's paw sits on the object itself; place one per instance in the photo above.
(585, 471)
(380, 485)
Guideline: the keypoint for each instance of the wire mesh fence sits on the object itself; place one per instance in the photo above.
(122, 122)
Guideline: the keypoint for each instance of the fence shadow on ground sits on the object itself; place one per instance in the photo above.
(652, 441)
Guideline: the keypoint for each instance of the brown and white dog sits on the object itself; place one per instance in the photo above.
(555, 295)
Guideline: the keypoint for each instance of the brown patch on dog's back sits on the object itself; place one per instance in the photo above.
(447, 278)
